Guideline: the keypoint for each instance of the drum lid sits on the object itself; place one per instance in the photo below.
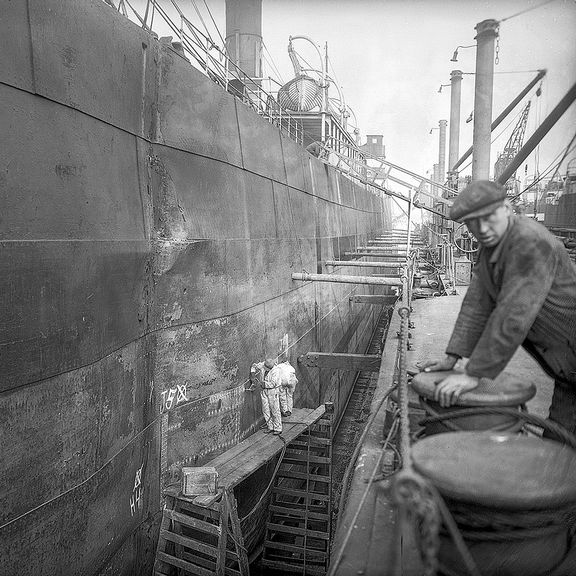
(504, 390)
(497, 470)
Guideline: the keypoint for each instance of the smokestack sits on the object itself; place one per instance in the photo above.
(244, 35)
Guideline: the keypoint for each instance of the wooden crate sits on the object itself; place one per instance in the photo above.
(199, 481)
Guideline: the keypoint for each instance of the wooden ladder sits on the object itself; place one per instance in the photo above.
(194, 539)
(297, 539)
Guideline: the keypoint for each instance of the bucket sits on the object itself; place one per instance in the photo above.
(504, 391)
(512, 497)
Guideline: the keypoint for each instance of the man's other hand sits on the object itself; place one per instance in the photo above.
(438, 365)
(449, 390)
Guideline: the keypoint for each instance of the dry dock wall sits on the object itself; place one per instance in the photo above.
(149, 227)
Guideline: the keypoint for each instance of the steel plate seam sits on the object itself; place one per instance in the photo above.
(107, 463)
(172, 147)
(148, 332)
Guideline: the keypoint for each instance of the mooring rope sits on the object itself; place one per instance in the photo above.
(560, 432)
(412, 492)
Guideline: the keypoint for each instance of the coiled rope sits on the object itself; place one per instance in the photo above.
(560, 432)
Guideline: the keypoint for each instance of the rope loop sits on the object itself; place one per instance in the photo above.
(413, 493)
(403, 311)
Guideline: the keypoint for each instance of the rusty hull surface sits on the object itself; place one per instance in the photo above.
(150, 225)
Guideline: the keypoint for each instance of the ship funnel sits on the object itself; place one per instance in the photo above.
(244, 35)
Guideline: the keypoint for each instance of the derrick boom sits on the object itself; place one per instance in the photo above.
(511, 149)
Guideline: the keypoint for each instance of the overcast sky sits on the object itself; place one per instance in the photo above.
(391, 56)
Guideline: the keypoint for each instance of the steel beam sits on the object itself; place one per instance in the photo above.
(381, 254)
(373, 299)
(346, 279)
(335, 361)
(365, 264)
(381, 248)
(398, 243)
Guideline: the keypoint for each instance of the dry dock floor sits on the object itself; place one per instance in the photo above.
(366, 539)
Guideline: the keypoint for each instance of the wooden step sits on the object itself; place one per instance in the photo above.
(302, 476)
(191, 542)
(285, 568)
(300, 493)
(297, 512)
(294, 530)
(191, 522)
(297, 551)
(296, 458)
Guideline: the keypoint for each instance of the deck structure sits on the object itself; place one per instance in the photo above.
(370, 538)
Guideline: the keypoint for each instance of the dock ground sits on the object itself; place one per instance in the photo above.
(366, 540)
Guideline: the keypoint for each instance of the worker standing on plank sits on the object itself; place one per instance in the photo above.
(262, 373)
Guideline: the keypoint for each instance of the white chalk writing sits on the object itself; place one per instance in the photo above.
(136, 497)
(173, 397)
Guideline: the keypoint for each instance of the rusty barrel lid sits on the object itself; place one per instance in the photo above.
(505, 390)
(511, 472)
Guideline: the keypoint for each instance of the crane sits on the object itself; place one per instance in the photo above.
(511, 149)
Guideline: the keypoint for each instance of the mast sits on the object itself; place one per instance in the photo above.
(504, 114)
(487, 33)
(455, 97)
(542, 130)
(442, 151)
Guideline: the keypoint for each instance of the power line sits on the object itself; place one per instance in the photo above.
(527, 10)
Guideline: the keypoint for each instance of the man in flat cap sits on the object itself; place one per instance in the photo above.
(523, 292)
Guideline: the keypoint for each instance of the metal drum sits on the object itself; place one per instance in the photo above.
(513, 498)
(503, 392)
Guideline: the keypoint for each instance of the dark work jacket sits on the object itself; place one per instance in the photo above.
(522, 292)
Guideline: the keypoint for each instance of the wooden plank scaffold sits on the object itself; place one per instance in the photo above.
(202, 535)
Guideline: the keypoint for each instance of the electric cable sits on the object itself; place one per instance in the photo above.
(524, 11)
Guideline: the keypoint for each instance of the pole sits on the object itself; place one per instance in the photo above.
(455, 97)
(306, 277)
(505, 113)
(487, 33)
(442, 151)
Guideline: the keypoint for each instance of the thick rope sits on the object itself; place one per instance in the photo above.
(412, 492)
(561, 433)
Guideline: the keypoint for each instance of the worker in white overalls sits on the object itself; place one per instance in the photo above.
(263, 374)
(288, 381)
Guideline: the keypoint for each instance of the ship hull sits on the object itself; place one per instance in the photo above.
(150, 227)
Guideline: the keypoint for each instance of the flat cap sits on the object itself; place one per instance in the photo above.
(479, 198)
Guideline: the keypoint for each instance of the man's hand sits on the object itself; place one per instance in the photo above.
(449, 390)
(446, 363)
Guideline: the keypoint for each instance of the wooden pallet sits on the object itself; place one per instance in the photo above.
(297, 536)
(201, 540)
